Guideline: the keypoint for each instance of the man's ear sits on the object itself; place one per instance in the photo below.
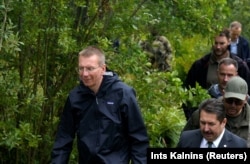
(224, 121)
(223, 92)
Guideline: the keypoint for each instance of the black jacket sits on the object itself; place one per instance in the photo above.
(109, 126)
(198, 72)
(243, 49)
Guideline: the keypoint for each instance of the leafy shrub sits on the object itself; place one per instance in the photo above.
(160, 95)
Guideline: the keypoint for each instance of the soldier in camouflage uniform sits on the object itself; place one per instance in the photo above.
(160, 53)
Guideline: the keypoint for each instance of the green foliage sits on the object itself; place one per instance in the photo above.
(164, 116)
(190, 49)
(160, 95)
(195, 96)
(21, 138)
(162, 108)
(39, 43)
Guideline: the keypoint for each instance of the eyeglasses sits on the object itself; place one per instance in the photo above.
(87, 69)
(233, 100)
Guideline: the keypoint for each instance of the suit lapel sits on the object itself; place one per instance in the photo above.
(225, 140)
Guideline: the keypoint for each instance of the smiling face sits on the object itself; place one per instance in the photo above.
(90, 71)
(234, 106)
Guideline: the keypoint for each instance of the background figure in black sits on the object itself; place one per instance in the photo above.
(239, 45)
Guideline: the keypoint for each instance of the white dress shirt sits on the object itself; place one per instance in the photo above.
(215, 142)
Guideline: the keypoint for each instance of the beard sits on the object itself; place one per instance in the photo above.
(220, 52)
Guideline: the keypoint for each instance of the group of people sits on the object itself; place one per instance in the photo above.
(203, 71)
(103, 113)
(224, 72)
(212, 131)
(221, 120)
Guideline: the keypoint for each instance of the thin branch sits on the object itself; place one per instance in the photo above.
(138, 8)
(4, 12)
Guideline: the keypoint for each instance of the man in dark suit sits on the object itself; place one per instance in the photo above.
(239, 45)
(212, 132)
